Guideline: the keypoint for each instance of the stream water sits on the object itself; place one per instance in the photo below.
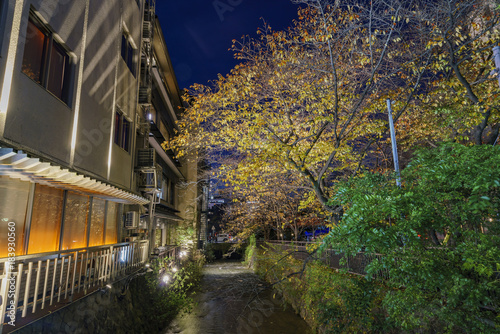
(232, 300)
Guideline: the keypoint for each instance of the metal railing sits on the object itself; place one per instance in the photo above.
(171, 252)
(352, 264)
(37, 283)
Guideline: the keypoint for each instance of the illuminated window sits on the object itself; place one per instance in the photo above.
(76, 213)
(46, 220)
(122, 131)
(97, 222)
(128, 52)
(13, 204)
(111, 223)
(45, 60)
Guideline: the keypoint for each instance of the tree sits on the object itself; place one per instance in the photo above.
(305, 100)
(464, 95)
(270, 206)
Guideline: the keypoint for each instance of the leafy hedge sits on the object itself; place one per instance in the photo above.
(331, 302)
(439, 234)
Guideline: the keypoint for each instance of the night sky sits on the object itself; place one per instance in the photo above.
(199, 32)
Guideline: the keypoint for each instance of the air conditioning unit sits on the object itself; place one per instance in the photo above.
(144, 95)
(146, 157)
(131, 219)
(147, 29)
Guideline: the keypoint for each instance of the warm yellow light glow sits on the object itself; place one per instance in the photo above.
(11, 56)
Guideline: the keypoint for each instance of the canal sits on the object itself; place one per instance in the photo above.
(232, 300)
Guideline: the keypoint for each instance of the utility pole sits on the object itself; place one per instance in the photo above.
(393, 142)
(496, 57)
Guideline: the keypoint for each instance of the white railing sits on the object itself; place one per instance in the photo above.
(34, 283)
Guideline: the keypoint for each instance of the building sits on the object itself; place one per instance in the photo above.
(172, 183)
(87, 94)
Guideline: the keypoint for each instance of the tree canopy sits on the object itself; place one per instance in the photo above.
(311, 100)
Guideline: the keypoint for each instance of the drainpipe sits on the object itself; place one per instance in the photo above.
(151, 226)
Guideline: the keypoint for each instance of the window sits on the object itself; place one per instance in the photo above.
(46, 220)
(122, 131)
(172, 193)
(13, 204)
(111, 223)
(76, 213)
(97, 222)
(128, 53)
(45, 60)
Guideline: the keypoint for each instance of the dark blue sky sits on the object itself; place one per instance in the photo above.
(199, 32)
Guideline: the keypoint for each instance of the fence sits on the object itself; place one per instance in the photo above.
(353, 264)
(35, 286)
(171, 252)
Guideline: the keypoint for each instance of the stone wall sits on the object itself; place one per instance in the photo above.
(105, 311)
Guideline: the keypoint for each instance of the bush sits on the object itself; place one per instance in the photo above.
(165, 300)
(439, 234)
(331, 302)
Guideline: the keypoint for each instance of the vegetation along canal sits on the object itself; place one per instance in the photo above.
(231, 299)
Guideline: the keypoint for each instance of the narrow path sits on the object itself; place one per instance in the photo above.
(227, 303)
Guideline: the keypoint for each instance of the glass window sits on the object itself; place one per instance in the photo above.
(122, 131)
(172, 193)
(124, 47)
(58, 61)
(97, 222)
(46, 220)
(125, 134)
(118, 126)
(45, 60)
(76, 213)
(111, 223)
(128, 53)
(13, 204)
(34, 50)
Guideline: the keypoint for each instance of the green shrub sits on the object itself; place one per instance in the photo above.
(331, 302)
(449, 284)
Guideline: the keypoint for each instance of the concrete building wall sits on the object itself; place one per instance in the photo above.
(33, 114)
(77, 133)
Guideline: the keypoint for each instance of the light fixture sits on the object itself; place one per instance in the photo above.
(165, 279)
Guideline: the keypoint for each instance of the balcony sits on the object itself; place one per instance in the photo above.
(41, 284)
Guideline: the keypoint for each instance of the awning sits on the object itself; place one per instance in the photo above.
(162, 210)
(20, 166)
